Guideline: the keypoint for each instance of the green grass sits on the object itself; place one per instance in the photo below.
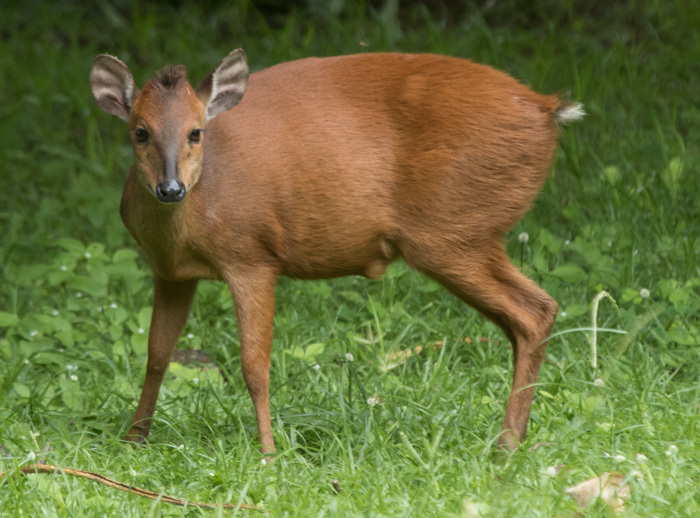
(620, 214)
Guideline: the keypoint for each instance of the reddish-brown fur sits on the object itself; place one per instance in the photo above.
(337, 166)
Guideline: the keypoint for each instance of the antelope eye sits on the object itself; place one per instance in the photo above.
(141, 135)
(195, 135)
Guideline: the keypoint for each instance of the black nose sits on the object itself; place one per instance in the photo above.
(170, 191)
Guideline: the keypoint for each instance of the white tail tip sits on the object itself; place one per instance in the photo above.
(569, 113)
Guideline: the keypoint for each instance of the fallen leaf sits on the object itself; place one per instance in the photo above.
(336, 486)
(607, 486)
(392, 361)
(540, 444)
(193, 358)
(474, 509)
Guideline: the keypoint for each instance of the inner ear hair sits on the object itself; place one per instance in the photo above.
(113, 86)
(224, 87)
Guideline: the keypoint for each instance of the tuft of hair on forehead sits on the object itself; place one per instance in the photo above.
(171, 76)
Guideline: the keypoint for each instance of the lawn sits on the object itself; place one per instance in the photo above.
(403, 434)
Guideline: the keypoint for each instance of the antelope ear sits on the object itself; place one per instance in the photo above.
(224, 87)
(113, 86)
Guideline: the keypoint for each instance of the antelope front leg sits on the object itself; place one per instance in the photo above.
(171, 305)
(254, 300)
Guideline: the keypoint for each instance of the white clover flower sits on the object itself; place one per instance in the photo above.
(73, 377)
(140, 330)
(563, 314)
(55, 312)
(212, 474)
(620, 458)
(523, 237)
(31, 455)
(181, 447)
(79, 295)
(113, 305)
(551, 471)
(190, 336)
(641, 458)
(133, 472)
(88, 255)
(372, 401)
(317, 366)
(71, 367)
(672, 450)
(349, 357)
(263, 461)
(99, 309)
(33, 333)
(567, 242)
(644, 293)
(195, 380)
(26, 361)
(63, 268)
(598, 382)
(636, 474)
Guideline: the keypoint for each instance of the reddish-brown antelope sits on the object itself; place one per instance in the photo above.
(326, 167)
